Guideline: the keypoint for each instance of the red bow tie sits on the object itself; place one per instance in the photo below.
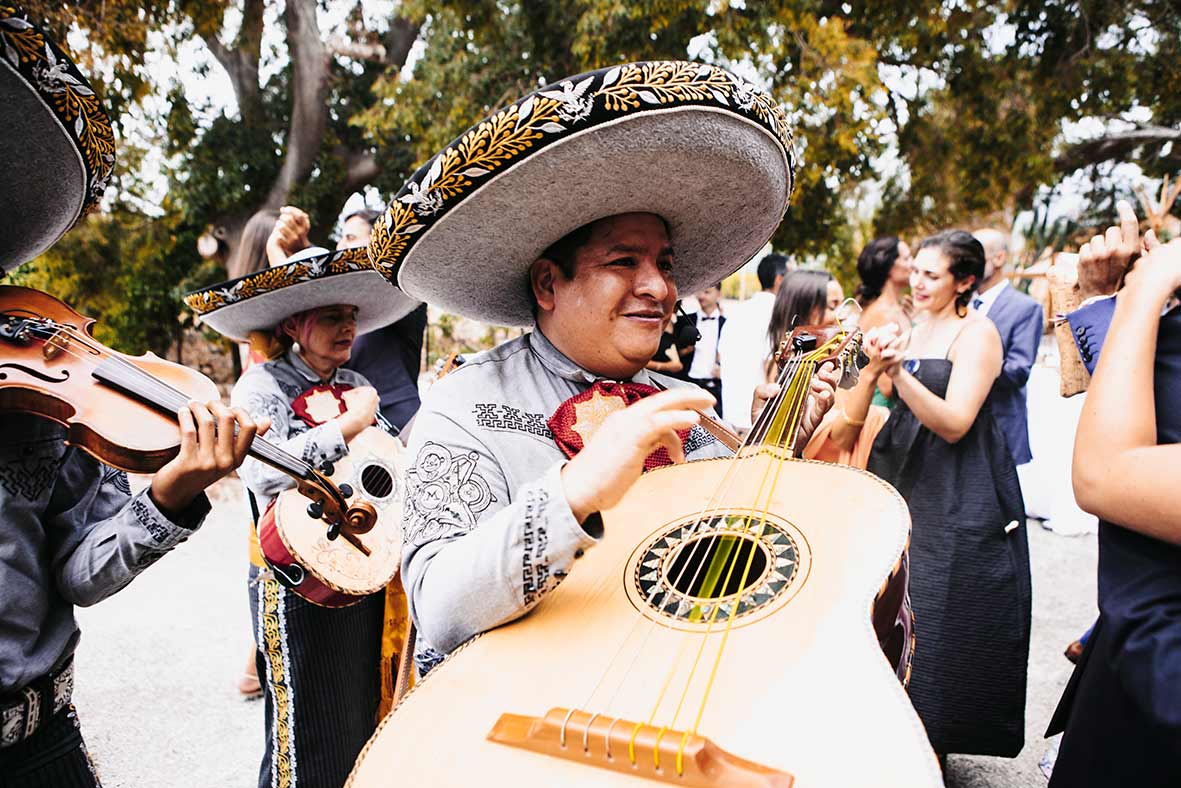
(578, 418)
(321, 403)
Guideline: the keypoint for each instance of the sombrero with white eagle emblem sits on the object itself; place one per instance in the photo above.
(692, 143)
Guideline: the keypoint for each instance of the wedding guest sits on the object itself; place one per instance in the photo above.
(1122, 708)
(702, 360)
(969, 555)
(884, 268)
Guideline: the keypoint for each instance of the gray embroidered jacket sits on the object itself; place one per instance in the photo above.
(268, 389)
(71, 533)
(487, 526)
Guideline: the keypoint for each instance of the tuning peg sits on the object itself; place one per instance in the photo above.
(346, 490)
(333, 531)
(327, 468)
(316, 510)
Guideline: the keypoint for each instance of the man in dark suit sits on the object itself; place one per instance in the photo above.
(1020, 322)
(1121, 710)
(388, 357)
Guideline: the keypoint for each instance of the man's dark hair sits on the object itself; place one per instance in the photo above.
(771, 267)
(368, 214)
(965, 256)
(563, 250)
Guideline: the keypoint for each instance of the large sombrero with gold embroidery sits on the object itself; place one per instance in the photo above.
(312, 278)
(693, 143)
(56, 145)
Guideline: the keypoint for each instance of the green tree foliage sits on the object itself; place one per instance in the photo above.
(952, 112)
(972, 93)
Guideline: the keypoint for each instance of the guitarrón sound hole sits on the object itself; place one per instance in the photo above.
(376, 481)
(717, 566)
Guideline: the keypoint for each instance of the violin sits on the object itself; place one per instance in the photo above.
(122, 409)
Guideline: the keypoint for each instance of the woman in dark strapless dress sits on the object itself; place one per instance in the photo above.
(969, 554)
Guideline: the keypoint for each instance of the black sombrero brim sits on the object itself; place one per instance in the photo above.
(690, 143)
(261, 300)
(56, 142)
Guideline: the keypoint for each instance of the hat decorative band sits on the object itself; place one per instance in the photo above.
(53, 76)
(553, 114)
(343, 261)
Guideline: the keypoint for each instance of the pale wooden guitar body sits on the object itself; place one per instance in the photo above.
(335, 572)
(802, 685)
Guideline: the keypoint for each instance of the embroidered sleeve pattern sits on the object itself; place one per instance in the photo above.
(535, 573)
(105, 536)
(478, 553)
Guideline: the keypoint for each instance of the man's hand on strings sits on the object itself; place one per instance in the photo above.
(209, 450)
(821, 395)
(606, 468)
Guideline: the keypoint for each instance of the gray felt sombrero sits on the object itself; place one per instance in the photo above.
(56, 142)
(313, 278)
(690, 142)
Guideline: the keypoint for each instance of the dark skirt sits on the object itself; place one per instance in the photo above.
(969, 576)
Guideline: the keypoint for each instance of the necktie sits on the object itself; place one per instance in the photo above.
(977, 302)
(581, 416)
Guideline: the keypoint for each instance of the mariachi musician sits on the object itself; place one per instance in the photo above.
(588, 242)
(73, 533)
(320, 663)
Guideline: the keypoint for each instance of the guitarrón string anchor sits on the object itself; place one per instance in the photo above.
(705, 765)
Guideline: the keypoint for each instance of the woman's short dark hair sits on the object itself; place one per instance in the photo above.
(873, 266)
(965, 257)
(800, 294)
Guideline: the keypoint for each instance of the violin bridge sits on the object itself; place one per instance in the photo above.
(55, 346)
(632, 748)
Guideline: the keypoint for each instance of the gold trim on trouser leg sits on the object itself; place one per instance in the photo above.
(272, 634)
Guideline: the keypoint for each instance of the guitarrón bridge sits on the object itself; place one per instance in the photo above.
(631, 748)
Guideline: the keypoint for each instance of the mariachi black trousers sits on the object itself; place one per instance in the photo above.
(321, 670)
(53, 757)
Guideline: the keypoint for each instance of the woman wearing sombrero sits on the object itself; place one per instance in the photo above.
(580, 210)
(73, 534)
(319, 664)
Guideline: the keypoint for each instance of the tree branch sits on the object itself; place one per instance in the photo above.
(241, 62)
(309, 95)
(360, 168)
(1117, 145)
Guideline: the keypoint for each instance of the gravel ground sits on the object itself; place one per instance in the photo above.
(158, 664)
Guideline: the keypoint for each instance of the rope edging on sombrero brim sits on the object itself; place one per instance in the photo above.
(51, 73)
(548, 115)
